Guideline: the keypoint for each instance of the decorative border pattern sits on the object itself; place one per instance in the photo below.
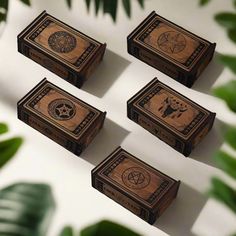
(158, 191)
(114, 165)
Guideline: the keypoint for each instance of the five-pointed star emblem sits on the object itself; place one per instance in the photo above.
(64, 110)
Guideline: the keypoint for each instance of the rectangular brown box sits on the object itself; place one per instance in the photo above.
(171, 49)
(60, 48)
(170, 116)
(60, 116)
(135, 185)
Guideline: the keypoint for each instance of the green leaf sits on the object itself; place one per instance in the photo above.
(227, 92)
(97, 6)
(69, 3)
(3, 14)
(67, 231)
(88, 4)
(226, 163)
(107, 228)
(234, 2)
(223, 193)
(226, 19)
(232, 34)
(230, 137)
(3, 128)
(26, 209)
(204, 2)
(4, 4)
(127, 7)
(110, 7)
(27, 2)
(8, 148)
(141, 3)
(229, 61)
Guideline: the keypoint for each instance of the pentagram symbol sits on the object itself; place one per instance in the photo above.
(61, 109)
(136, 178)
(171, 42)
(62, 42)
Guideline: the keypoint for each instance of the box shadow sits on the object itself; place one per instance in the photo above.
(209, 76)
(209, 145)
(179, 218)
(107, 140)
(106, 74)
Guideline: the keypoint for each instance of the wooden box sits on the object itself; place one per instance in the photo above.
(60, 116)
(171, 49)
(170, 116)
(135, 185)
(61, 49)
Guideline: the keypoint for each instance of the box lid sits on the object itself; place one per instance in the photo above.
(134, 178)
(170, 41)
(167, 107)
(60, 41)
(60, 109)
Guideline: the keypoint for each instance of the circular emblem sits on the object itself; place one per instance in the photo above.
(171, 42)
(136, 178)
(62, 42)
(61, 109)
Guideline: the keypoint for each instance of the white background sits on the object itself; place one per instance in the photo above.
(118, 78)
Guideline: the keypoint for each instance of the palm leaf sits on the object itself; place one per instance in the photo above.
(67, 231)
(3, 128)
(127, 7)
(26, 209)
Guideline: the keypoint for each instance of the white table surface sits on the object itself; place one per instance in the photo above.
(115, 81)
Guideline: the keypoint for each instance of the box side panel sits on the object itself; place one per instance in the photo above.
(121, 198)
(88, 70)
(156, 129)
(167, 199)
(48, 62)
(202, 131)
(203, 62)
(92, 132)
(46, 129)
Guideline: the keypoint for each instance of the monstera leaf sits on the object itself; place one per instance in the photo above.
(25, 209)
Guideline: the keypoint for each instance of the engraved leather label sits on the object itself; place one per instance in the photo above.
(47, 130)
(48, 63)
(121, 199)
(136, 179)
(66, 44)
(172, 42)
(172, 110)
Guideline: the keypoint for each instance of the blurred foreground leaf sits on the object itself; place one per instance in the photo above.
(69, 3)
(26, 209)
(227, 92)
(232, 34)
(127, 7)
(27, 2)
(230, 137)
(67, 231)
(226, 163)
(3, 128)
(105, 228)
(8, 148)
(204, 2)
(223, 193)
(226, 19)
(3, 9)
